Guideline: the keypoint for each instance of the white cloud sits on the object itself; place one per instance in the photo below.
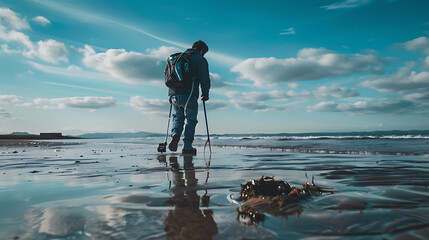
(48, 50)
(406, 82)
(10, 99)
(289, 31)
(346, 4)
(385, 106)
(250, 105)
(258, 96)
(5, 49)
(134, 67)
(418, 44)
(323, 107)
(427, 62)
(11, 19)
(323, 92)
(130, 67)
(378, 106)
(334, 91)
(75, 102)
(160, 107)
(257, 106)
(418, 96)
(18, 37)
(217, 81)
(217, 104)
(150, 106)
(293, 85)
(163, 52)
(310, 64)
(41, 20)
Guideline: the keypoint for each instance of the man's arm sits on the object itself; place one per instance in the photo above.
(203, 77)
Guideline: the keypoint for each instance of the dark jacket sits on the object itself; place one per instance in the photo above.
(200, 69)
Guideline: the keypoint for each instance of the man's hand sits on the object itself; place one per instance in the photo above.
(169, 100)
(204, 98)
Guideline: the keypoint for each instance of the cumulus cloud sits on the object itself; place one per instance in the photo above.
(160, 107)
(310, 64)
(217, 81)
(75, 102)
(323, 107)
(11, 19)
(49, 50)
(250, 105)
(134, 67)
(163, 52)
(150, 106)
(323, 92)
(41, 20)
(346, 4)
(385, 106)
(258, 96)
(257, 106)
(334, 91)
(18, 37)
(130, 67)
(217, 104)
(293, 85)
(411, 84)
(10, 99)
(418, 44)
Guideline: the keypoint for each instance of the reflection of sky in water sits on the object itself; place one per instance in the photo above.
(123, 191)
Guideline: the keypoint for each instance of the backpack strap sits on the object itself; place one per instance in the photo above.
(174, 64)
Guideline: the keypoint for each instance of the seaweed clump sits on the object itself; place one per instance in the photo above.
(278, 198)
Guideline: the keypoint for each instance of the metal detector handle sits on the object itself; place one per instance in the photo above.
(168, 124)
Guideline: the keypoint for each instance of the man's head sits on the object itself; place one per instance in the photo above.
(201, 47)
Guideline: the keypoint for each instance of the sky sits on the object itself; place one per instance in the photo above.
(81, 66)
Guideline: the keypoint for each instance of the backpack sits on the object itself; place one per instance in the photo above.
(178, 70)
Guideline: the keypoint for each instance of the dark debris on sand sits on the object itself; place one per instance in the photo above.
(278, 198)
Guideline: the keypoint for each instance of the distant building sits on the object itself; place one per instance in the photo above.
(50, 135)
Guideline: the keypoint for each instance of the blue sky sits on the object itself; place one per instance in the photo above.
(279, 66)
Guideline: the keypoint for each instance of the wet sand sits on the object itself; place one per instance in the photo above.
(124, 189)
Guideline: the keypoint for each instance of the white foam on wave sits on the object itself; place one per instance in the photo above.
(346, 137)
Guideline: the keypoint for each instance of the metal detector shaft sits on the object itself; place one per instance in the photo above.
(207, 124)
(207, 142)
(168, 125)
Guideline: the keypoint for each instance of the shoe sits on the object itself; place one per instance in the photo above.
(174, 142)
(191, 151)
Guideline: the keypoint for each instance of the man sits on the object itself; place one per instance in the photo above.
(185, 105)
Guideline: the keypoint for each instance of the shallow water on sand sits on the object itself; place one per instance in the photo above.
(124, 189)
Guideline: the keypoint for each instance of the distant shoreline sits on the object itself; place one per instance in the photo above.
(34, 137)
(33, 143)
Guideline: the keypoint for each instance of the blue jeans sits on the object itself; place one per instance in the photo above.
(179, 116)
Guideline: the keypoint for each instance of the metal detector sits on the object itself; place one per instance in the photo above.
(208, 135)
(162, 147)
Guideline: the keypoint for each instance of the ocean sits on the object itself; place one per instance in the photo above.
(375, 186)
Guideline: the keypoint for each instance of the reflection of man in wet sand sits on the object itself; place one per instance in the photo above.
(186, 220)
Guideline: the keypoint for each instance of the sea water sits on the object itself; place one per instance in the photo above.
(123, 189)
